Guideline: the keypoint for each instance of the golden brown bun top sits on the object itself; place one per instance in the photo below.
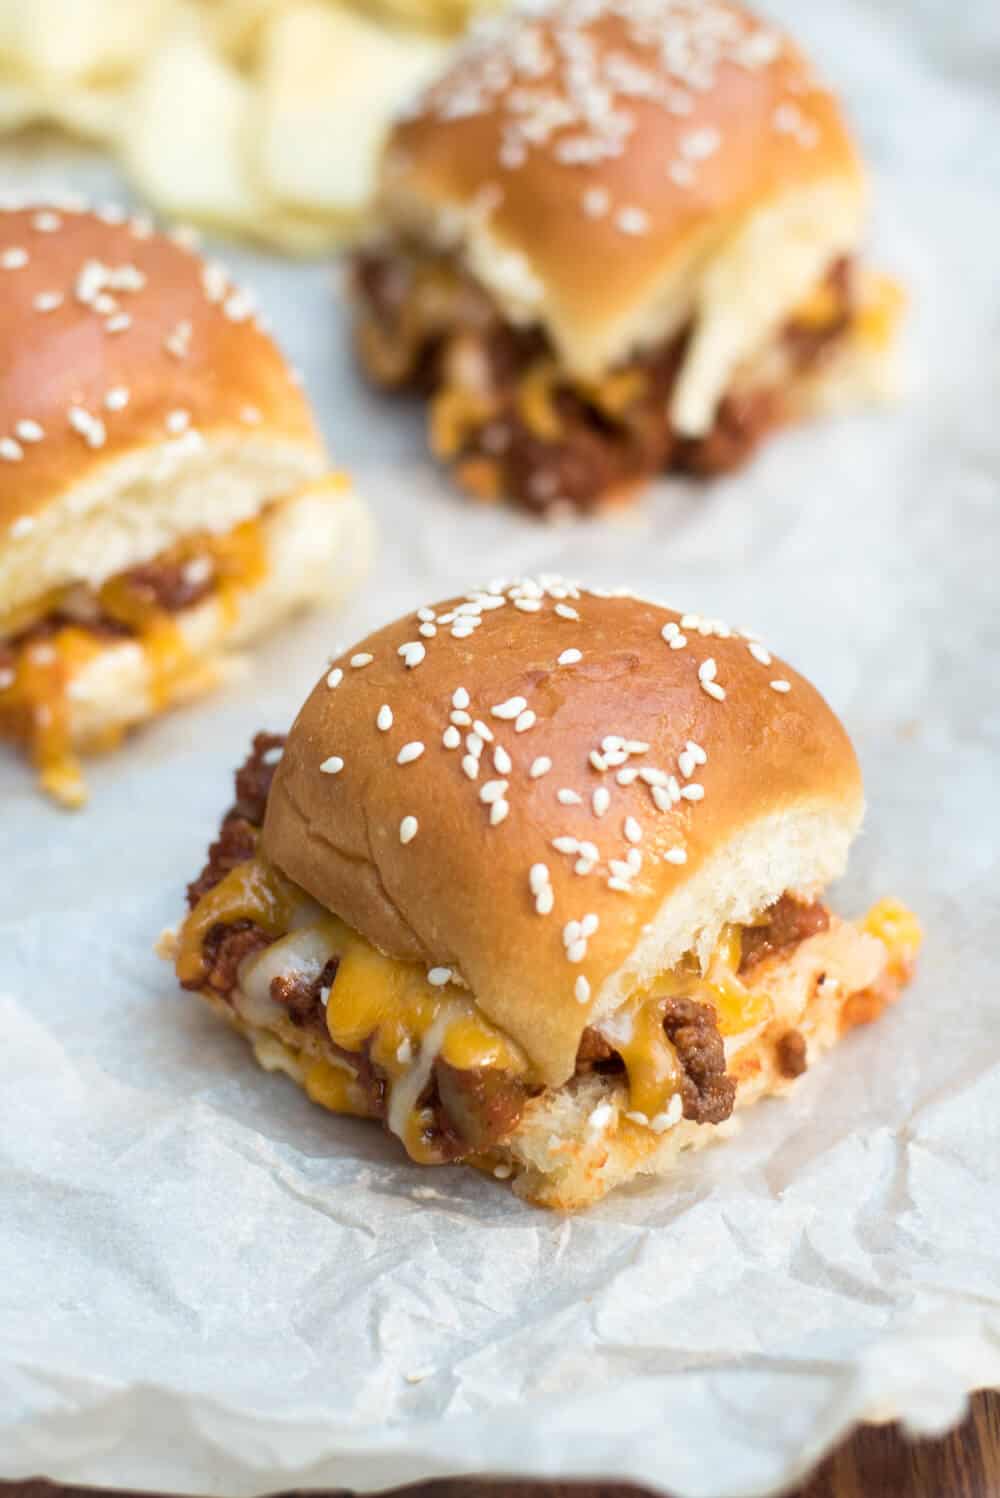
(460, 893)
(114, 338)
(609, 144)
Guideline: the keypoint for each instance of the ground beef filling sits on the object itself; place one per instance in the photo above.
(785, 924)
(171, 586)
(425, 326)
(474, 1110)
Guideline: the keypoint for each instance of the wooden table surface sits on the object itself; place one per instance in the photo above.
(878, 1462)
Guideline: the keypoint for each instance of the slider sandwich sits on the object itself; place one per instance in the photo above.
(618, 238)
(165, 496)
(537, 880)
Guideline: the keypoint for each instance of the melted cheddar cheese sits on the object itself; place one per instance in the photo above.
(899, 931)
(388, 1009)
(36, 700)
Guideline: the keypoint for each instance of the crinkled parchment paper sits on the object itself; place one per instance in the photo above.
(207, 1284)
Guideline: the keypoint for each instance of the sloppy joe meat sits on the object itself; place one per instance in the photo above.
(592, 454)
(783, 925)
(475, 1109)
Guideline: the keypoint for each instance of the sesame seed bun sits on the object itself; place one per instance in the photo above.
(688, 147)
(745, 786)
(140, 401)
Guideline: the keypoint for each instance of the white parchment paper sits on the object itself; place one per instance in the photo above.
(208, 1285)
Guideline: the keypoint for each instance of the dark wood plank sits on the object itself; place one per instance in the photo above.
(877, 1462)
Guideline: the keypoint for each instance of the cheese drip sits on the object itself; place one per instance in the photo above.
(386, 1008)
(36, 703)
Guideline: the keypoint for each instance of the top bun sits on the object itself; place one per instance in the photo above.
(617, 168)
(140, 400)
(648, 775)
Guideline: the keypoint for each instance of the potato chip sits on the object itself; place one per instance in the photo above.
(331, 81)
(49, 39)
(188, 128)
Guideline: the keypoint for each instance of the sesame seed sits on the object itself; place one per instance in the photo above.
(596, 202)
(119, 323)
(627, 776)
(474, 744)
(14, 258)
(633, 831)
(524, 721)
(678, 642)
(570, 657)
(675, 855)
(581, 990)
(707, 670)
(91, 428)
(384, 720)
(545, 900)
(499, 812)
(632, 221)
(577, 952)
(10, 451)
(427, 616)
(238, 307)
(333, 765)
(566, 844)
(439, 976)
(48, 301)
(409, 752)
(598, 761)
(116, 399)
(527, 605)
(470, 766)
(698, 145)
(565, 611)
(601, 800)
(451, 738)
(540, 766)
(460, 718)
(46, 222)
(361, 659)
(29, 431)
(502, 762)
(484, 731)
(538, 877)
(492, 790)
(413, 653)
(177, 422)
(335, 677)
(408, 830)
(566, 797)
(428, 631)
(512, 708)
(714, 690)
(572, 931)
(781, 686)
(693, 791)
(758, 652)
